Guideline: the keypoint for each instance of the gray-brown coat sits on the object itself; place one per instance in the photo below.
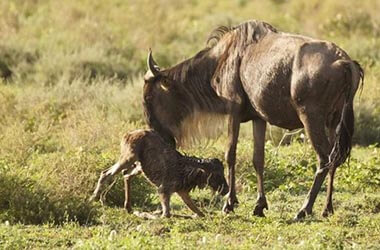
(255, 73)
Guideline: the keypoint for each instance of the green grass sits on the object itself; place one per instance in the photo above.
(356, 224)
(71, 86)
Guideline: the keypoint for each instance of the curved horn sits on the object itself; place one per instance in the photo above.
(152, 64)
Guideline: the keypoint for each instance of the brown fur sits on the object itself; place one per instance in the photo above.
(255, 73)
(170, 171)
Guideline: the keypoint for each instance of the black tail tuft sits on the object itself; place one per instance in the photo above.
(345, 129)
(343, 140)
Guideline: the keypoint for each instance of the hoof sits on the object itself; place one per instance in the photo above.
(261, 204)
(128, 208)
(327, 212)
(199, 215)
(165, 215)
(228, 208)
(302, 214)
(259, 211)
(229, 205)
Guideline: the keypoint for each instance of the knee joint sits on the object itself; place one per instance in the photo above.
(322, 170)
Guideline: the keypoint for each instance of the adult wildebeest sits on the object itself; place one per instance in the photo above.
(255, 73)
(144, 151)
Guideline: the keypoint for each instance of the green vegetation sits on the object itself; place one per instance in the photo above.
(71, 85)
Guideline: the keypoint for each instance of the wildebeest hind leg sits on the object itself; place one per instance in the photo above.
(259, 127)
(315, 128)
(328, 209)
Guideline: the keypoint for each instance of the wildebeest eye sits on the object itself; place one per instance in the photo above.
(164, 86)
(163, 83)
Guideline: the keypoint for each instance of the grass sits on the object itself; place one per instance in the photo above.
(71, 85)
(355, 225)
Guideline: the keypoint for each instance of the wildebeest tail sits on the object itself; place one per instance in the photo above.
(344, 131)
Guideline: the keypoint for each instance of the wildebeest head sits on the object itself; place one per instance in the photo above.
(162, 102)
(180, 103)
(214, 175)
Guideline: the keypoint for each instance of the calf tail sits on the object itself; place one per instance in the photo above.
(344, 131)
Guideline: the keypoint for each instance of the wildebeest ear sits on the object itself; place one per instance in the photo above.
(152, 65)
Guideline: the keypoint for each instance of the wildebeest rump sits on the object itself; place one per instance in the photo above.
(255, 73)
(144, 151)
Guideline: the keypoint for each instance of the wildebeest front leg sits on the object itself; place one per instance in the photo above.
(233, 134)
(127, 185)
(189, 202)
(259, 127)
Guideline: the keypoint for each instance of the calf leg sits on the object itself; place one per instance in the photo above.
(233, 134)
(259, 127)
(315, 128)
(107, 175)
(189, 202)
(127, 185)
(165, 203)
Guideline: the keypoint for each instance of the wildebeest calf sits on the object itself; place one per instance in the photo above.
(170, 171)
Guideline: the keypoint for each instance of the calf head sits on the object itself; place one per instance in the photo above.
(214, 175)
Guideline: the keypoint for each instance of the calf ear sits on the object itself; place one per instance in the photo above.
(206, 166)
(198, 171)
(211, 167)
(195, 175)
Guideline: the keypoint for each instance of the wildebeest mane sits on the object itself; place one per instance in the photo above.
(198, 70)
(248, 31)
(191, 78)
(216, 35)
